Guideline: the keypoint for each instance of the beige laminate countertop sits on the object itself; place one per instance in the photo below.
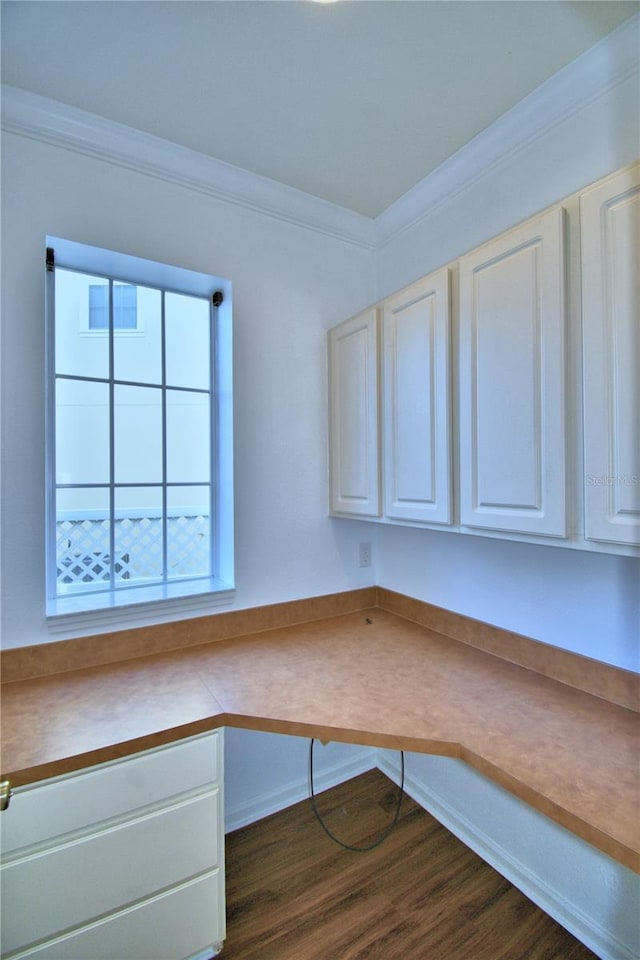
(367, 677)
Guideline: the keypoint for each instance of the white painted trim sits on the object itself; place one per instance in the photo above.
(588, 78)
(591, 76)
(296, 790)
(602, 941)
(140, 606)
(56, 123)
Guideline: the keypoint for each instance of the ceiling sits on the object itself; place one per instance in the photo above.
(353, 102)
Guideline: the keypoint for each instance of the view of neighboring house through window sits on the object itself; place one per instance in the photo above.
(134, 451)
(125, 306)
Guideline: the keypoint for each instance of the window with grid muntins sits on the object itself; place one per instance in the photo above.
(136, 490)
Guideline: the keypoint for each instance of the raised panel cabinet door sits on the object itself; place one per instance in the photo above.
(417, 407)
(512, 383)
(353, 416)
(610, 238)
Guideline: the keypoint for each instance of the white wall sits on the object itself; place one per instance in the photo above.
(266, 772)
(289, 285)
(585, 602)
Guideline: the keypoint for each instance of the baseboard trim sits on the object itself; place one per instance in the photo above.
(297, 790)
(602, 941)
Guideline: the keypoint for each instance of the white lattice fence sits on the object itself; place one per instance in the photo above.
(83, 553)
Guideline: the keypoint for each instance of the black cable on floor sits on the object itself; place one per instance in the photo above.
(335, 839)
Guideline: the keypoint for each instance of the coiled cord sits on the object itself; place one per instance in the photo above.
(328, 832)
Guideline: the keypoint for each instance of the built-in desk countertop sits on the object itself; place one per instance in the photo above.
(369, 676)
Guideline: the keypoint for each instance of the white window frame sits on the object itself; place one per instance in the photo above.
(126, 602)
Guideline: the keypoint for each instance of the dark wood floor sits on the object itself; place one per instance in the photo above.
(292, 894)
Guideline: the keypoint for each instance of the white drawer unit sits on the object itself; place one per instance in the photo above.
(125, 859)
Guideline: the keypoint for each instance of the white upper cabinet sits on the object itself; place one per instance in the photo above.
(490, 443)
(416, 401)
(610, 225)
(511, 381)
(354, 445)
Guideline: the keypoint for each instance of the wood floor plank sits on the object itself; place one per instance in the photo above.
(293, 894)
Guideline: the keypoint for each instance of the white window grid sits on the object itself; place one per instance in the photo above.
(95, 555)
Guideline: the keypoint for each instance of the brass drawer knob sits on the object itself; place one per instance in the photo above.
(5, 794)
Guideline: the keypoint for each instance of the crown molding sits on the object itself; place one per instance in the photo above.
(590, 77)
(50, 121)
(593, 75)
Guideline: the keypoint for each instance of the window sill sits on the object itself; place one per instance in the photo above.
(120, 609)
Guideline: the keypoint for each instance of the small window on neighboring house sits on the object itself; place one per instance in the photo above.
(125, 306)
(139, 450)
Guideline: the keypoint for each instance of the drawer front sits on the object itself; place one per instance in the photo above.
(73, 884)
(174, 925)
(37, 814)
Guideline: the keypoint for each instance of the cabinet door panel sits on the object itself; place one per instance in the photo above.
(353, 413)
(610, 220)
(512, 386)
(417, 401)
